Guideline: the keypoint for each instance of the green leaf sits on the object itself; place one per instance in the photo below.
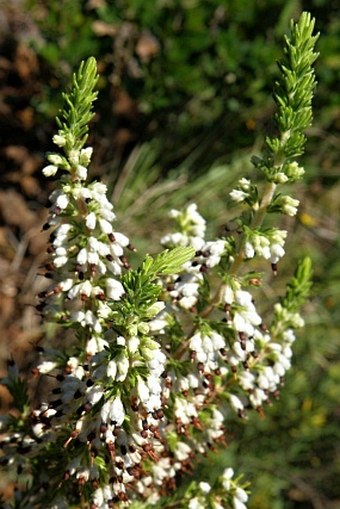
(78, 104)
(170, 262)
(299, 286)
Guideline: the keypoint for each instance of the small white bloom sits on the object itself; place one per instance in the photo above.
(55, 159)
(114, 289)
(249, 251)
(235, 402)
(62, 201)
(238, 504)
(187, 302)
(59, 140)
(81, 172)
(121, 341)
(182, 451)
(290, 206)
(237, 195)
(122, 368)
(94, 394)
(143, 390)
(245, 184)
(46, 367)
(50, 170)
(228, 296)
(82, 256)
(133, 344)
(85, 156)
(117, 412)
(155, 308)
(105, 226)
(281, 178)
(111, 369)
(93, 257)
(204, 487)
(66, 285)
(276, 252)
(226, 478)
(121, 239)
(91, 221)
(195, 504)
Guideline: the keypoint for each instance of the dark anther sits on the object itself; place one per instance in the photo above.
(55, 403)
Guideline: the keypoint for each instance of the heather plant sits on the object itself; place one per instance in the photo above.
(149, 362)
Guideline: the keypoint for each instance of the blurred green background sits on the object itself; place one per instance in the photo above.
(185, 100)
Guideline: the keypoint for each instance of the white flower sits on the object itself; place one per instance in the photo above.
(204, 487)
(249, 251)
(85, 155)
(117, 412)
(257, 397)
(61, 257)
(59, 140)
(91, 221)
(187, 302)
(175, 239)
(50, 170)
(84, 288)
(95, 345)
(245, 184)
(155, 308)
(228, 296)
(114, 289)
(142, 390)
(122, 368)
(82, 256)
(121, 239)
(182, 451)
(111, 370)
(94, 394)
(281, 178)
(105, 226)
(237, 195)
(93, 257)
(226, 478)
(246, 380)
(81, 172)
(236, 403)
(133, 344)
(290, 206)
(55, 159)
(238, 504)
(276, 252)
(294, 171)
(46, 367)
(195, 504)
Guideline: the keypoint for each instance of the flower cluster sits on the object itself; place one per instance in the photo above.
(184, 289)
(150, 363)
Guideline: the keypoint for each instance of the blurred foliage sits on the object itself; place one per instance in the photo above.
(195, 78)
(201, 71)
